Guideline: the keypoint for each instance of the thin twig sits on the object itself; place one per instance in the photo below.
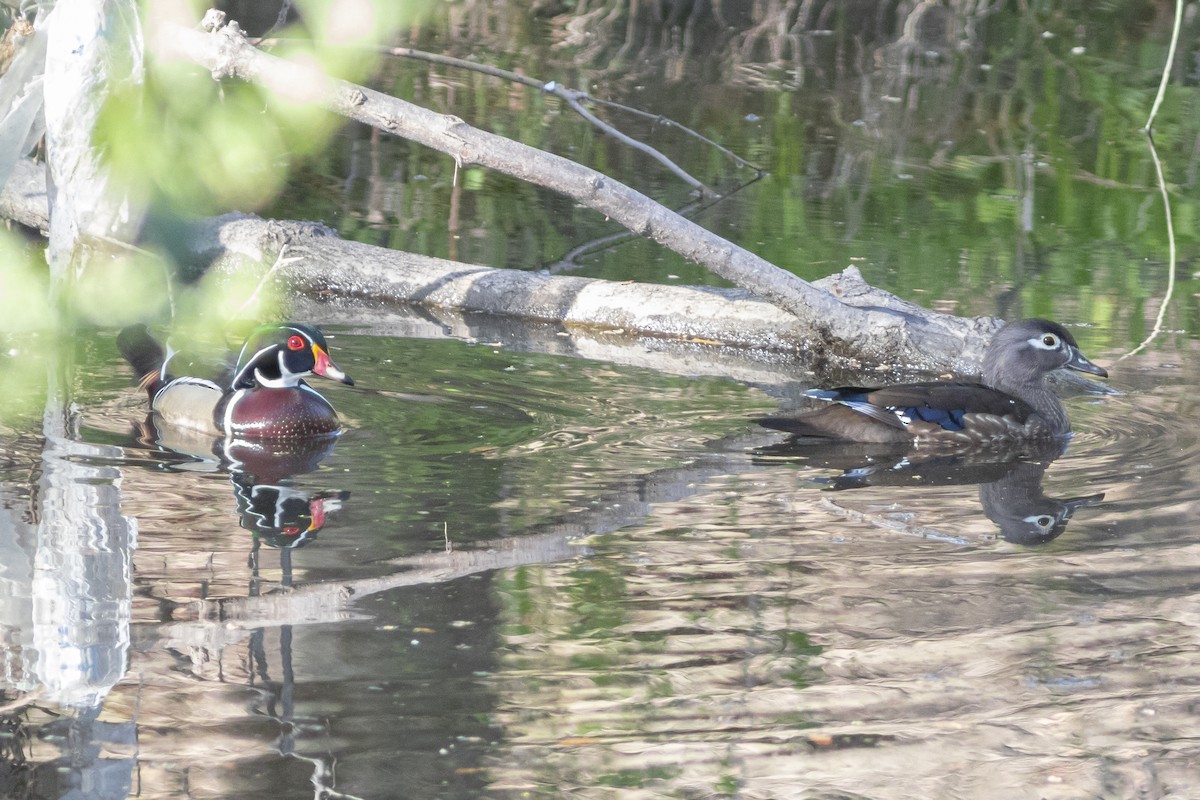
(572, 98)
(1166, 74)
(1166, 198)
(570, 260)
(575, 100)
(659, 119)
(890, 523)
(280, 261)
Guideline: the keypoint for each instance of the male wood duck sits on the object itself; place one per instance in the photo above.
(1012, 404)
(264, 398)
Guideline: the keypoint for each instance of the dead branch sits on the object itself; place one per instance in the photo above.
(575, 99)
(914, 337)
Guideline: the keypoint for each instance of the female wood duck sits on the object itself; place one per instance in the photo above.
(264, 398)
(1012, 404)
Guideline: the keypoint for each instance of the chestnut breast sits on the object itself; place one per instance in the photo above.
(284, 413)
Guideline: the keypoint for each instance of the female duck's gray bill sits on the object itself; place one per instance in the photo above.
(1079, 362)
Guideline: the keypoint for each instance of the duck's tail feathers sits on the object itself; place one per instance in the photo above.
(145, 355)
(797, 426)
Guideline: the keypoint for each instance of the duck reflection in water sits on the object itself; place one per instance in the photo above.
(1024, 514)
(269, 505)
(1009, 479)
(253, 416)
(1001, 433)
(278, 513)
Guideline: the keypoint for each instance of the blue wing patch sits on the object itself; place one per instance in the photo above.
(948, 419)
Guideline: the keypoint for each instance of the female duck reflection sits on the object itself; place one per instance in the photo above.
(1002, 433)
(1010, 480)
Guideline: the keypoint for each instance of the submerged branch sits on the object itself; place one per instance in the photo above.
(621, 505)
(1171, 255)
(331, 600)
(315, 260)
(1166, 73)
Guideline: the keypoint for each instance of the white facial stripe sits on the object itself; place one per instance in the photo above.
(228, 421)
(286, 382)
(292, 378)
(242, 354)
(162, 370)
(248, 362)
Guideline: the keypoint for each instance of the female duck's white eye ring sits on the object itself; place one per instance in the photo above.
(1043, 522)
(1050, 340)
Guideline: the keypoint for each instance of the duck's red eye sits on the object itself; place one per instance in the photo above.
(296, 343)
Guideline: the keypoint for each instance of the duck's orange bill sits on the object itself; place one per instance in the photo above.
(326, 368)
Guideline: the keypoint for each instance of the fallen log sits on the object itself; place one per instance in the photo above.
(314, 262)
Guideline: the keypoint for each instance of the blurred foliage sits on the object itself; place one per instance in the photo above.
(25, 316)
(184, 146)
(199, 147)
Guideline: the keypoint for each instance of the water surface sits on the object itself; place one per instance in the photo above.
(677, 611)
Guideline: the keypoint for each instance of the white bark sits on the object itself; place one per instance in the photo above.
(93, 49)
